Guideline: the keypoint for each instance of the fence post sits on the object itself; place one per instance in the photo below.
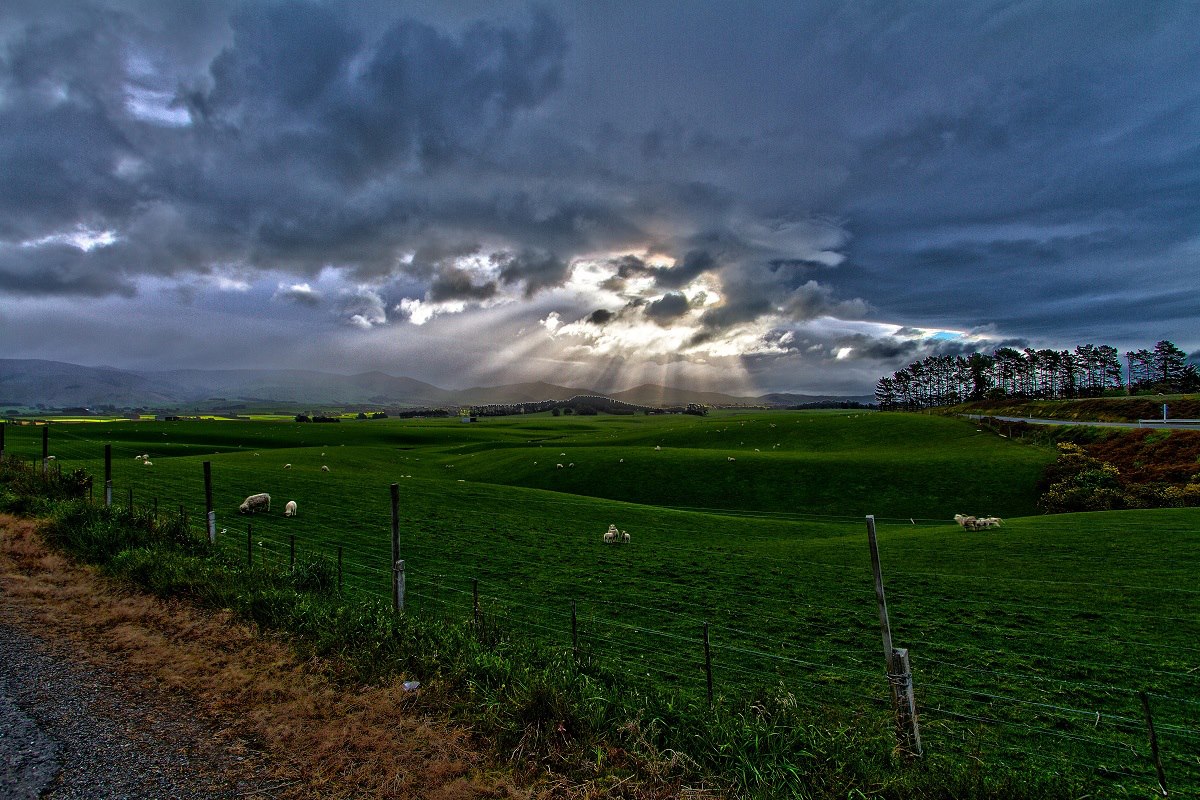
(339, 569)
(2, 441)
(574, 633)
(292, 551)
(108, 476)
(45, 449)
(129, 504)
(1162, 777)
(708, 664)
(208, 503)
(397, 563)
(475, 599)
(899, 672)
(249, 544)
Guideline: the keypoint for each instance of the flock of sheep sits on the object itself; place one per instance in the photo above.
(614, 536)
(977, 523)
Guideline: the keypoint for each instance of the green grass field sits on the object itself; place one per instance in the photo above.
(1029, 644)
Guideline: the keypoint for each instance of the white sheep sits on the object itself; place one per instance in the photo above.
(625, 537)
(656, 447)
(571, 464)
(559, 466)
(50, 458)
(964, 521)
(611, 535)
(290, 509)
(287, 466)
(324, 468)
(255, 502)
(148, 463)
(730, 458)
(988, 522)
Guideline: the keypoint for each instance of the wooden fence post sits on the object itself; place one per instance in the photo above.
(708, 664)
(574, 633)
(208, 503)
(899, 672)
(397, 563)
(108, 476)
(475, 599)
(1162, 777)
(45, 449)
(249, 544)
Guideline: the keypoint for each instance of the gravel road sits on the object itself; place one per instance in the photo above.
(72, 730)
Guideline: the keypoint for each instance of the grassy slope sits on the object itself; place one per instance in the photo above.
(1029, 628)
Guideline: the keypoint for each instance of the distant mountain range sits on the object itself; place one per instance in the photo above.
(54, 384)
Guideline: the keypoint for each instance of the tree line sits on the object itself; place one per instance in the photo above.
(1087, 371)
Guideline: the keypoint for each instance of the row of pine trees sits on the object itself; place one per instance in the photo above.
(1087, 371)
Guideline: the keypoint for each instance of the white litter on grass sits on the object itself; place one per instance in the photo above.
(411, 686)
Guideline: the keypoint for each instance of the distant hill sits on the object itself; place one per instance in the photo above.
(55, 384)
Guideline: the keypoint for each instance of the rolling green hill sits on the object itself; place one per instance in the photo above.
(1029, 643)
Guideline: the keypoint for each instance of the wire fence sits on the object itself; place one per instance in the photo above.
(1052, 683)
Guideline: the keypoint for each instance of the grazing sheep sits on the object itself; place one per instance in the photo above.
(730, 458)
(964, 521)
(324, 468)
(611, 535)
(287, 466)
(255, 502)
(148, 463)
(656, 447)
(988, 522)
(625, 537)
(571, 464)
(290, 509)
(559, 466)
(50, 458)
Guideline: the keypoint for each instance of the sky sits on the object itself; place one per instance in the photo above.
(739, 197)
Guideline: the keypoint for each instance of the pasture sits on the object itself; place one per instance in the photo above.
(1029, 644)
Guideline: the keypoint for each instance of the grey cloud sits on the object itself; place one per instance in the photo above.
(301, 294)
(600, 316)
(536, 270)
(456, 284)
(693, 264)
(667, 308)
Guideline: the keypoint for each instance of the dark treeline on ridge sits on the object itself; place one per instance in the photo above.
(1088, 371)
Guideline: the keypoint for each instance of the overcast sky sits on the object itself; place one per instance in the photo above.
(745, 197)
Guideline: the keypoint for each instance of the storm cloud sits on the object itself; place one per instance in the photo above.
(867, 181)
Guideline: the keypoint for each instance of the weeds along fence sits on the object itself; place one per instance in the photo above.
(1062, 669)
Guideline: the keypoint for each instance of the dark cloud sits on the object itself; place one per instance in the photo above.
(456, 284)
(600, 316)
(693, 264)
(536, 270)
(668, 308)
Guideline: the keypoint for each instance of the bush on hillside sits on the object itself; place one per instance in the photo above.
(1077, 481)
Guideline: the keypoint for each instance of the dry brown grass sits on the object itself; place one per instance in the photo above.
(323, 741)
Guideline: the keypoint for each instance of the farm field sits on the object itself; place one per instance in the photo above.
(1029, 644)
